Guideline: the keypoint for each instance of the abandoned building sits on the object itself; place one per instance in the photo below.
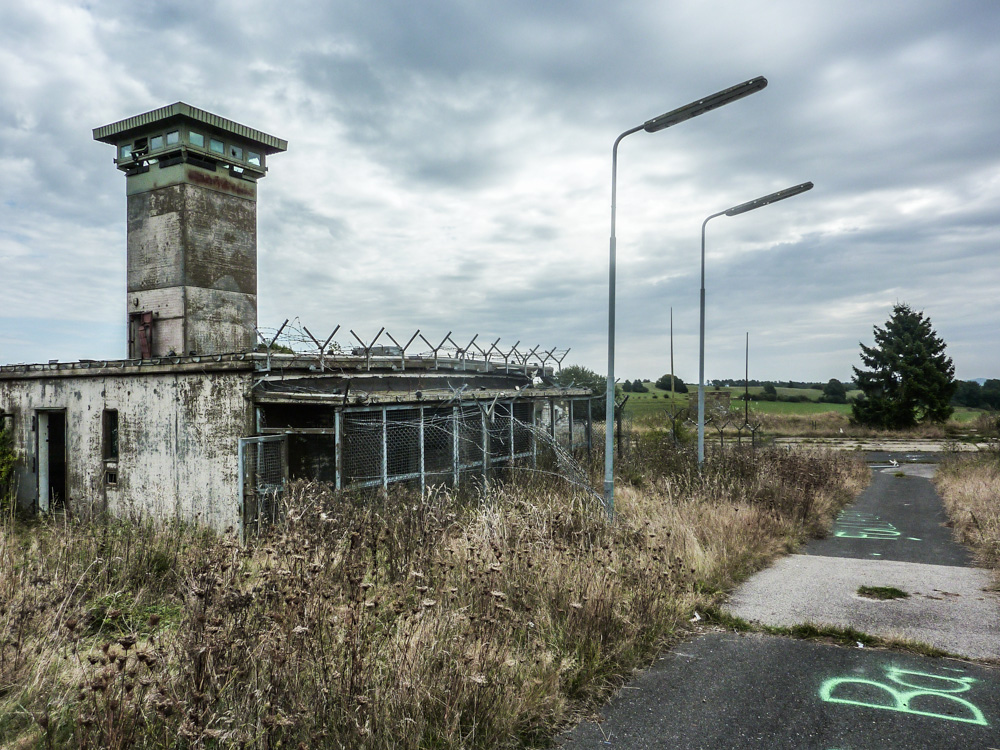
(201, 423)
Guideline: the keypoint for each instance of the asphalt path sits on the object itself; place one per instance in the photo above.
(727, 690)
(899, 516)
(730, 690)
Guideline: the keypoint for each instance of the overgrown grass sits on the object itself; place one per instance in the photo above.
(882, 592)
(386, 621)
(970, 487)
(810, 631)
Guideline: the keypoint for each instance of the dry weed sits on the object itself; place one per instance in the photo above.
(970, 487)
(386, 621)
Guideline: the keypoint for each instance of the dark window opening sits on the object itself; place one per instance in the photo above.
(297, 415)
(110, 435)
(312, 457)
(111, 478)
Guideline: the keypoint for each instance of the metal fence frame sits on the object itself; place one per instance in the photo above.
(379, 445)
(473, 429)
(263, 473)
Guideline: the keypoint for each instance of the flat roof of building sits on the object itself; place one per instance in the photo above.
(277, 365)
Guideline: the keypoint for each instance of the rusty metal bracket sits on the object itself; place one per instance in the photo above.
(402, 349)
(435, 349)
(322, 347)
(368, 347)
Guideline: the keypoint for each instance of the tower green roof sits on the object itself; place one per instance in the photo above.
(180, 112)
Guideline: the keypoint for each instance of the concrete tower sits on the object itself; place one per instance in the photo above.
(191, 181)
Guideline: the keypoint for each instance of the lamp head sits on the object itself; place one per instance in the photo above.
(707, 104)
(769, 199)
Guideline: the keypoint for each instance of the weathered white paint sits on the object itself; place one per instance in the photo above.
(178, 439)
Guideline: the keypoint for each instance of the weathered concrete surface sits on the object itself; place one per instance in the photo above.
(178, 440)
(948, 607)
(895, 534)
(886, 445)
(192, 262)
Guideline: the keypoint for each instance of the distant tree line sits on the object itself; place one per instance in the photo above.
(970, 393)
(741, 383)
(635, 386)
(664, 384)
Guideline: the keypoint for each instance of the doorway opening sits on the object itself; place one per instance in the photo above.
(51, 460)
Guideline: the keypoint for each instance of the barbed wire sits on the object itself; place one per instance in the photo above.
(294, 336)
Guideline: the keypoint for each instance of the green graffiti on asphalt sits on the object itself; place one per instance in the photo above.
(919, 693)
(854, 525)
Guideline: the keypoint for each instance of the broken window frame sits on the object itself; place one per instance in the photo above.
(109, 434)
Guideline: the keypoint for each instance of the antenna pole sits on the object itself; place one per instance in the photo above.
(746, 385)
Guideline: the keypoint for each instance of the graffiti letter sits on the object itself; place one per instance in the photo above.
(927, 688)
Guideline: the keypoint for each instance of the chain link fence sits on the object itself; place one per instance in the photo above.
(470, 442)
(263, 471)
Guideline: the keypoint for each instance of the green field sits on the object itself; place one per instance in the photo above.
(653, 403)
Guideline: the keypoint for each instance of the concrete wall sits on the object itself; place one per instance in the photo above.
(192, 260)
(178, 441)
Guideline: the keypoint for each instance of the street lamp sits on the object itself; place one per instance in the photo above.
(735, 210)
(699, 107)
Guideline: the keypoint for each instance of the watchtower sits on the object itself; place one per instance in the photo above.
(191, 181)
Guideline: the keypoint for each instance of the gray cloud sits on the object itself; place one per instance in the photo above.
(449, 168)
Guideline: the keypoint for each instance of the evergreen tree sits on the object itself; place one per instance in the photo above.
(908, 379)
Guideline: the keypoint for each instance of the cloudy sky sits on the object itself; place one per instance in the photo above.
(449, 169)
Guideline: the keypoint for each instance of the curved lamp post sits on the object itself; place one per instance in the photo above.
(662, 122)
(740, 209)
